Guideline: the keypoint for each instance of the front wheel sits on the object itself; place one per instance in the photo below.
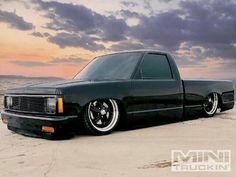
(101, 116)
(211, 105)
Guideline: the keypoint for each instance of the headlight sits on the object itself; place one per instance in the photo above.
(8, 101)
(51, 105)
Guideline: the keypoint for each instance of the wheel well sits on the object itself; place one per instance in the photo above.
(119, 103)
(220, 102)
(121, 108)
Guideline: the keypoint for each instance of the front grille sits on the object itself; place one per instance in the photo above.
(30, 104)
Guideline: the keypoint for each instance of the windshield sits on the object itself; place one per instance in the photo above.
(114, 66)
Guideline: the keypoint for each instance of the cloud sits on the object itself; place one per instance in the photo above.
(165, 29)
(129, 4)
(213, 50)
(52, 62)
(39, 34)
(73, 18)
(148, 6)
(211, 22)
(25, 3)
(128, 14)
(15, 21)
(66, 60)
(74, 40)
(166, 1)
(114, 29)
(126, 45)
(210, 25)
(29, 63)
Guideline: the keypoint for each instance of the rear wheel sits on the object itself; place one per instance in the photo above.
(211, 104)
(101, 116)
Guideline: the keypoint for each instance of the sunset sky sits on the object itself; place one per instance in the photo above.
(57, 38)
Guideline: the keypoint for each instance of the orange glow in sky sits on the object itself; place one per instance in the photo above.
(22, 53)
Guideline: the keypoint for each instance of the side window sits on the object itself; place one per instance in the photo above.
(155, 66)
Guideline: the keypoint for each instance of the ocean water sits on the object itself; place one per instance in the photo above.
(13, 83)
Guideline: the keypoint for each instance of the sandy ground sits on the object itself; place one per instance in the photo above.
(140, 152)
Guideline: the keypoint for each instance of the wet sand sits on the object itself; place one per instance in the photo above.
(140, 152)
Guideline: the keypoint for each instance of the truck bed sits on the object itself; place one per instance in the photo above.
(196, 92)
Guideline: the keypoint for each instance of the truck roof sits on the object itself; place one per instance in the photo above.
(139, 50)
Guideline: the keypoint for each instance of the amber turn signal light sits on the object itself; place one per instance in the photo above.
(60, 105)
(48, 129)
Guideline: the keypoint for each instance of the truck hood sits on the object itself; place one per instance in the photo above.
(49, 88)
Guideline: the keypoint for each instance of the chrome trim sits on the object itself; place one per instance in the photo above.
(154, 110)
(20, 95)
(29, 112)
(37, 117)
(24, 95)
(192, 106)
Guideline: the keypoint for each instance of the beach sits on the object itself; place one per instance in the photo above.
(136, 152)
(140, 152)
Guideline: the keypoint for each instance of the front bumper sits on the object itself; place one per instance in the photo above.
(32, 125)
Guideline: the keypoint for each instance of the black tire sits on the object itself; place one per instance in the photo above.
(101, 116)
(211, 104)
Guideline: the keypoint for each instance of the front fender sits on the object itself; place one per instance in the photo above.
(81, 95)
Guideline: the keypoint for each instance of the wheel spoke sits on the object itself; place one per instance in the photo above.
(210, 104)
(100, 105)
(97, 119)
(94, 108)
(107, 114)
(105, 120)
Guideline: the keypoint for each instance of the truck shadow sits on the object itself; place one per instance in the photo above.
(139, 123)
(150, 122)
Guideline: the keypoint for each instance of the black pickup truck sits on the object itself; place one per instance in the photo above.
(111, 88)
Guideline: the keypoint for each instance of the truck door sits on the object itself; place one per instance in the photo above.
(156, 91)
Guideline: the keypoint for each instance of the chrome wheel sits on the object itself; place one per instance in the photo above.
(211, 104)
(103, 114)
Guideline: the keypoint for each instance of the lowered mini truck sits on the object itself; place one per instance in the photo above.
(112, 88)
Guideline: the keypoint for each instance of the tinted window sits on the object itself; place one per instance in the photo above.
(115, 66)
(155, 66)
